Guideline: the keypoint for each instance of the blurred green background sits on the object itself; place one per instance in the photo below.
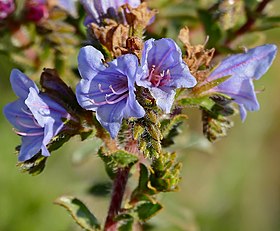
(233, 185)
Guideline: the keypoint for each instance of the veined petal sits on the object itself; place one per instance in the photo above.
(164, 54)
(252, 64)
(90, 62)
(242, 92)
(133, 108)
(110, 117)
(44, 109)
(243, 69)
(127, 65)
(17, 114)
(164, 97)
(21, 84)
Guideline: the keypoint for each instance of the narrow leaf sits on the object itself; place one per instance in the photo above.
(209, 85)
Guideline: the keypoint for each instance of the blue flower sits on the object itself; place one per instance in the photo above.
(97, 10)
(35, 116)
(108, 90)
(164, 71)
(243, 69)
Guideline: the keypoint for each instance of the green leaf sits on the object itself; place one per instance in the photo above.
(143, 179)
(80, 213)
(147, 209)
(115, 160)
(192, 101)
(201, 89)
(125, 222)
(109, 165)
(123, 159)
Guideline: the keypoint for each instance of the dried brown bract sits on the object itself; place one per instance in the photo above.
(197, 57)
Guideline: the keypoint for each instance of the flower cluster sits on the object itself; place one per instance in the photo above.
(110, 90)
(132, 93)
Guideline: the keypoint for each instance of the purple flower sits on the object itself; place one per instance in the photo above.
(164, 71)
(108, 90)
(35, 116)
(6, 8)
(243, 69)
(97, 10)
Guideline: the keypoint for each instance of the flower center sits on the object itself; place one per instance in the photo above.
(159, 78)
(109, 95)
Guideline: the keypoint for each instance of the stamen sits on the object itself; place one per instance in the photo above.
(35, 125)
(26, 112)
(28, 133)
(99, 87)
(97, 103)
(151, 73)
(116, 100)
(120, 92)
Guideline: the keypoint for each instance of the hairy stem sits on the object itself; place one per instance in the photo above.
(117, 197)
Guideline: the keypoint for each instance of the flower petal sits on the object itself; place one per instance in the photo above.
(164, 97)
(242, 112)
(133, 108)
(21, 84)
(252, 64)
(90, 62)
(242, 92)
(44, 109)
(110, 117)
(30, 146)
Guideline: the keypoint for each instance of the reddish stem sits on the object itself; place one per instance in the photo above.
(117, 197)
(251, 19)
